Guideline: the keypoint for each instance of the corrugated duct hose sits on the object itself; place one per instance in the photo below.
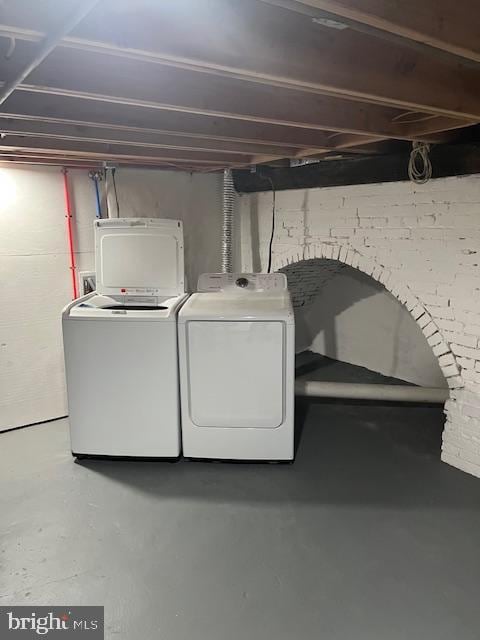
(227, 230)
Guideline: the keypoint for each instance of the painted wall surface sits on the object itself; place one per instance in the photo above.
(422, 242)
(194, 198)
(35, 279)
(354, 319)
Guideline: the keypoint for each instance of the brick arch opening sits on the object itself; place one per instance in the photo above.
(329, 259)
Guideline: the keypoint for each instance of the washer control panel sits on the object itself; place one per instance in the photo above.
(238, 282)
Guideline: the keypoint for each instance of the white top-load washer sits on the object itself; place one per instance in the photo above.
(237, 369)
(120, 343)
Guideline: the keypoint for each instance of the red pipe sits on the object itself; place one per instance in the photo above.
(69, 216)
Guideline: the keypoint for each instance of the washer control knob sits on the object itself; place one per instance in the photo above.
(241, 282)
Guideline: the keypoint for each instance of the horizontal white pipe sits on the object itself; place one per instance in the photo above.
(354, 391)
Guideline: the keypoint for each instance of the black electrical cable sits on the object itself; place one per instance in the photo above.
(115, 191)
(105, 176)
(272, 234)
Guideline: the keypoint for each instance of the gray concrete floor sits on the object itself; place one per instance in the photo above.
(366, 536)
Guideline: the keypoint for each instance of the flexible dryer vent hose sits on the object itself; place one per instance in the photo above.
(227, 230)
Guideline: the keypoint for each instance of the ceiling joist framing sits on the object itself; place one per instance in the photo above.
(441, 25)
(213, 98)
(228, 83)
(291, 51)
(134, 138)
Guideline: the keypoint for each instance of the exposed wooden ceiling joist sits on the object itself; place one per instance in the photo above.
(139, 84)
(7, 160)
(46, 46)
(441, 24)
(274, 46)
(87, 149)
(338, 143)
(377, 148)
(214, 83)
(149, 139)
(68, 110)
(262, 115)
(30, 157)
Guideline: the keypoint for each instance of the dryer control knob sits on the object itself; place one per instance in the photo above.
(241, 282)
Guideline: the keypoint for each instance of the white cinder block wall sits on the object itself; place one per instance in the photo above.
(35, 281)
(422, 242)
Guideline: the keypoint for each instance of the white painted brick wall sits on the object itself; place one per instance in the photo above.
(421, 241)
(306, 279)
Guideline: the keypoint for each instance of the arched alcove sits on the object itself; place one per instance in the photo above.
(346, 315)
(318, 263)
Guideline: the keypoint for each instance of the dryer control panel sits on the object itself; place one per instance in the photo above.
(242, 282)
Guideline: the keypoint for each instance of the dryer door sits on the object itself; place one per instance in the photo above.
(236, 373)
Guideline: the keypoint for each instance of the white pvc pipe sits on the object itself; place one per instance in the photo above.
(383, 392)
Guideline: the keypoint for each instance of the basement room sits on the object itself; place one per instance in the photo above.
(240, 319)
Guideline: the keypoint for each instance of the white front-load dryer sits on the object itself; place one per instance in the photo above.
(237, 350)
(121, 347)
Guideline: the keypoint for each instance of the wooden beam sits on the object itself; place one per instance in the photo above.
(138, 84)
(445, 25)
(446, 160)
(91, 113)
(46, 46)
(278, 47)
(59, 160)
(65, 158)
(369, 145)
(12, 160)
(377, 148)
(104, 151)
(138, 138)
(337, 142)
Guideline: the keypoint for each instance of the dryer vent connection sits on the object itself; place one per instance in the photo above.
(227, 231)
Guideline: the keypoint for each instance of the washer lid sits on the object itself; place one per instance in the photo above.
(139, 257)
